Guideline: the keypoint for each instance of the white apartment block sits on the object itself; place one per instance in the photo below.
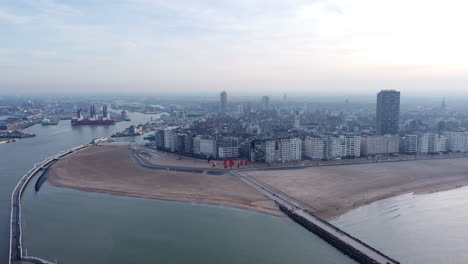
(270, 150)
(205, 147)
(423, 143)
(169, 139)
(350, 146)
(331, 147)
(288, 150)
(437, 143)
(374, 145)
(228, 147)
(457, 141)
(409, 144)
(314, 148)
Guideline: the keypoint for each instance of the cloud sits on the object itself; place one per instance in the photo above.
(13, 19)
(51, 7)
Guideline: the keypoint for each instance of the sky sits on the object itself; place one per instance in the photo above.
(241, 46)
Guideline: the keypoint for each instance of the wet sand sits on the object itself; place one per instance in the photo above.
(330, 191)
(111, 169)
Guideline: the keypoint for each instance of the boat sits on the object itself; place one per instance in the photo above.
(92, 122)
(93, 118)
(48, 122)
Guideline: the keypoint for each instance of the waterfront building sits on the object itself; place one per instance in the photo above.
(437, 143)
(257, 150)
(457, 141)
(270, 151)
(314, 147)
(331, 147)
(159, 138)
(228, 147)
(169, 139)
(350, 146)
(388, 112)
(276, 150)
(223, 101)
(376, 145)
(409, 144)
(288, 150)
(204, 146)
(179, 142)
(423, 143)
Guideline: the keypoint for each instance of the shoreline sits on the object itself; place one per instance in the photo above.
(233, 205)
(422, 191)
(332, 191)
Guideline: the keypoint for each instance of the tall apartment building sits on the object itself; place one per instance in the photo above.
(350, 146)
(423, 143)
(204, 146)
(279, 150)
(270, 151)
(375, 145)
(409, 144)
(331, 147)
(457, 141)
(437, 143)
(223, 102)
(288, 150)
(169, 139)
(388, 112)
(228, 147)
(314, 147)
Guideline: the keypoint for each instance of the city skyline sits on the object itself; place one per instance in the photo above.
(242, 46)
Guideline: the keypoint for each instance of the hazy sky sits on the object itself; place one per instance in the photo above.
(343, 46)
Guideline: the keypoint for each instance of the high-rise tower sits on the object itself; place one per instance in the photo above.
(388, 112)
(223, 101)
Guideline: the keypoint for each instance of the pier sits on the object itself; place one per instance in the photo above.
(346, 243)
(16, 255)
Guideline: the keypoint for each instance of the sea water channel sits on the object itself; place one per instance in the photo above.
(70, 226)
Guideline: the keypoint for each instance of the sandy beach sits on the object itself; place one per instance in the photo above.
(111, 169)
(330, 191)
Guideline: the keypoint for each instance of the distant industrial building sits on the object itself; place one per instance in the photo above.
(388, 112)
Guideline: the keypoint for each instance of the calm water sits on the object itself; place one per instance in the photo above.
(79, 227)
(17, 158)
(429, 228)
